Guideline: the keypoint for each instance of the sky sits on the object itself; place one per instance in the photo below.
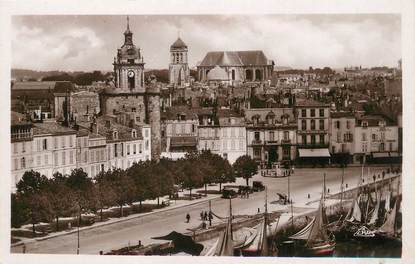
(90, 42)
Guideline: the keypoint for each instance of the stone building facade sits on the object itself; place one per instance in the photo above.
(271, 134)
(342, 128)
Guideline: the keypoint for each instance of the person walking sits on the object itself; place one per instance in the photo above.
(202, 216)
(188, 218)
(210, 218)
(205, 216)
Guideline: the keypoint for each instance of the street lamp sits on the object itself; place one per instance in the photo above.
(79, 223)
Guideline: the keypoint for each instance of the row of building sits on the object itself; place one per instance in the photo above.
(301, 133)
(49, 147)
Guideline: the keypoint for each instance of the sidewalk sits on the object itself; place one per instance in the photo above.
(173, 205)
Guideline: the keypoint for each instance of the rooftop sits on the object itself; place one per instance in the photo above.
(342, 114)
(33, 85)
(310, 103)
(178, 44)
(234, 58)
(52, 128)
(171, 113)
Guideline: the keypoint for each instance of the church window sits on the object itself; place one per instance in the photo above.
(131, 82)
(248, 75)
(233, 74)
(258, 75)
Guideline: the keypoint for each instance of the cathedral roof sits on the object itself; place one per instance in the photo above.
(235, 58)
(217, 73)
(179, 43)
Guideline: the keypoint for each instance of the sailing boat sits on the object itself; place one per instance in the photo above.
(259, 246)
(224, 245)
(318, 241)
(390, 230)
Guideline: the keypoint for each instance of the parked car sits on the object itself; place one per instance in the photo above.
(257, 186)
(229, 193)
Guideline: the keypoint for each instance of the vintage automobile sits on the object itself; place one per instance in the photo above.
(229, 193)
(257, 186)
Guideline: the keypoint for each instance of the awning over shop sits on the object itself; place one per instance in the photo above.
(309, 153)
(385, 154)
(380, 154)
(183, 142)
(394, 154)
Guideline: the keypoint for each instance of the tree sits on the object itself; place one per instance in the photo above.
(123, 186)
(30, 189)
(104, 192)
(245, 167)
(60, 197)
(223, 172)
(138, 172)
(191, 175)
(82, 188)
(19, 211)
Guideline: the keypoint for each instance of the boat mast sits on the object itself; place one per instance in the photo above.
(341, 190)
(289, 200)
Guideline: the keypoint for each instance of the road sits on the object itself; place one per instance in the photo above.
(117, 235)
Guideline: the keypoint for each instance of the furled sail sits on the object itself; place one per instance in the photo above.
(318, 232)
(389, 226)
(375, 213)
(304, 233)
(356, 214)
(225, 243)
(264, 239)
(387, 201)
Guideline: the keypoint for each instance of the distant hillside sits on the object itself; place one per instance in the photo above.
(21, 74)
(24, 74)
(281, 68)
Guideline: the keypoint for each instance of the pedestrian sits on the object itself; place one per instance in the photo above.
(210, 218)
(24, 248)
(188, 217)
(201, 216)
(205, 216)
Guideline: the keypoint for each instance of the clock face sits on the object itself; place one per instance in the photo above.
(130, 74)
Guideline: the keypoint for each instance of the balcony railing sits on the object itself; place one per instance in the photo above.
(285, 141)
(272, 141)
(256, 142)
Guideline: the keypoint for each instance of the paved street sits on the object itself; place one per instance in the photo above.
(118, 235)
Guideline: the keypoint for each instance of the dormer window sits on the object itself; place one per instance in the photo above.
(255, 119)
(133, 133)
(115, 135)
(285, 120)
(364, 123)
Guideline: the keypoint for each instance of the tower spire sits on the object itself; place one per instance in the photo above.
(128, 23)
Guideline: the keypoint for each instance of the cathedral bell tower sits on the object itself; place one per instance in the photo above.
(179, 72)
(129, 65)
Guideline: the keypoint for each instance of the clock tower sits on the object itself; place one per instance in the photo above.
(129, 65)
(129, 100)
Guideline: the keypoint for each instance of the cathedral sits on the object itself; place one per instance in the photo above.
(236, 66)
(179, 72)
(129, 98)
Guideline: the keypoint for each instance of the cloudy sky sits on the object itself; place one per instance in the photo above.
(298, 41)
